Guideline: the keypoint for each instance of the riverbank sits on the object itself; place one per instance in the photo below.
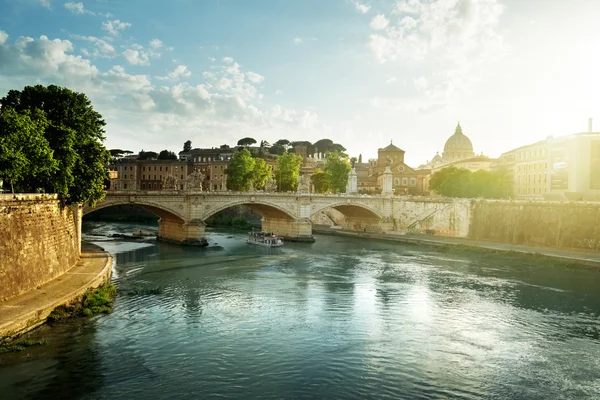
(585, 257)
(29, 310)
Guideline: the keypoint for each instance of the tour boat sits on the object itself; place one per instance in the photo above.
(264, 239)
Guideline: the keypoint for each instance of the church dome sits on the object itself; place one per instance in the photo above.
(458, 142)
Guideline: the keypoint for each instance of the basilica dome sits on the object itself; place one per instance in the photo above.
(458, 147)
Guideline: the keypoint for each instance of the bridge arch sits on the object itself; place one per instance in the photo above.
(161, 210)
(350, 209)
(265, 209)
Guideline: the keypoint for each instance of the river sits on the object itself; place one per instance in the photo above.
(341, 318)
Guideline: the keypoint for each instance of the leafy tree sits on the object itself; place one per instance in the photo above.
(240, 171)
(167, 155)
(323, 146)
(353, 161)
(337, 168)
(247, 141)
(283, 142)
(75, 133)
(260, 173)
(26, 159)
(337, 147)
(460, 182)
(147, 155)
(187, 146)
(277, 149)
(320, 181)
(224, 146)
(360, 158)
(288, 171)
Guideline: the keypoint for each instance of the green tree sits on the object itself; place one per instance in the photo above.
(240, 171)
(360, 158)
(187, 146)
(167, 155)
(247, 141)
(337, 168)
(26, 159)
(147, 155)
(288, 171)
(75, 133)
(260, 173)
(320, 181)
(323, 146)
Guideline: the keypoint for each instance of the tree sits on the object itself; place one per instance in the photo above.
(147, 155)
(26, 159)
(323, 146)
(337, 168)
(320, 181)
(167, 155)
(247, 141)
(240, 171)
(288, 171)
(75, 133)
(353, 161)
(187, 146)
(460, 182)
(260, 173)
(360, 158)
(277, 149)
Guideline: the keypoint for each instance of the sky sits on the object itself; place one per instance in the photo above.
(359, 72)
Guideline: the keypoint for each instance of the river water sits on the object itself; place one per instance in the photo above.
(341, 318)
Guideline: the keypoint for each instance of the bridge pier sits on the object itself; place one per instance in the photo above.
(367, 224)
(299, 230)
(182, 232)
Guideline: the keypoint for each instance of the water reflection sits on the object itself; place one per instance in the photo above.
(340, 318)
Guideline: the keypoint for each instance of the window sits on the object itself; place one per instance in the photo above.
(131, 168)
(396, 181)
(125, 176)
(155, 179)
(413, 181)
(160, 168)
(155, 186)
(125, 186)
(181, 186)
(143, 186)
(166, 168)
(143, 168)
(143, 176)
(181, 176)
(155, 168)
(404, 181)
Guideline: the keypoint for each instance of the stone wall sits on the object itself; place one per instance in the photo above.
(447, 217)
(537, 223)
(39, 240)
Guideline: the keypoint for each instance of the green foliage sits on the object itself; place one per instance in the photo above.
(93, 301)
(247, 141)
(360, 158)
(187, 146)
(240, 171)
(460, 182)
(278, 149)
(337, 168)
(260, 173)
(147, 155)
(26, 159)
(74, 132)
(13, 346)
(167, 155)
(288, 171)
(240, 223)
(320, 181)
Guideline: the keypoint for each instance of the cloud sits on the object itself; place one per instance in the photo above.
(78, 8)
(228, 60)
(115, 27)
(454, 40)
(156, 44)
(181, 71)
(46, 4)
(278, 92)
(102, 49)
(136, 57)
(391, 80)
(254, 77)
(361, 7)
(225, 103)
(379, 22)
(298, 40)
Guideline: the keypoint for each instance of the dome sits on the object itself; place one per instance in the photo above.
(458, 142)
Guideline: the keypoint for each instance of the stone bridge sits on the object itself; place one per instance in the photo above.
(183, 214)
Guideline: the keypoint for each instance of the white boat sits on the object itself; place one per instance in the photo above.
(264, 239)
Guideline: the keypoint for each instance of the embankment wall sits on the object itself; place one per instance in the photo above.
(39, 240)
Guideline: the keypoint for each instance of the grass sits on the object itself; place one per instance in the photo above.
(92, 302)
(13, 346)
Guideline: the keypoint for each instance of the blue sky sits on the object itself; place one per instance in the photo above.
(359, 72)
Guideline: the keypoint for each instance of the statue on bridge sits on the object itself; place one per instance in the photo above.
(195, 181)
(270, 185)
(169, 182)
(303, 184)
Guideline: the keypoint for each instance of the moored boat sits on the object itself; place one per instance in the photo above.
(265, 239)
